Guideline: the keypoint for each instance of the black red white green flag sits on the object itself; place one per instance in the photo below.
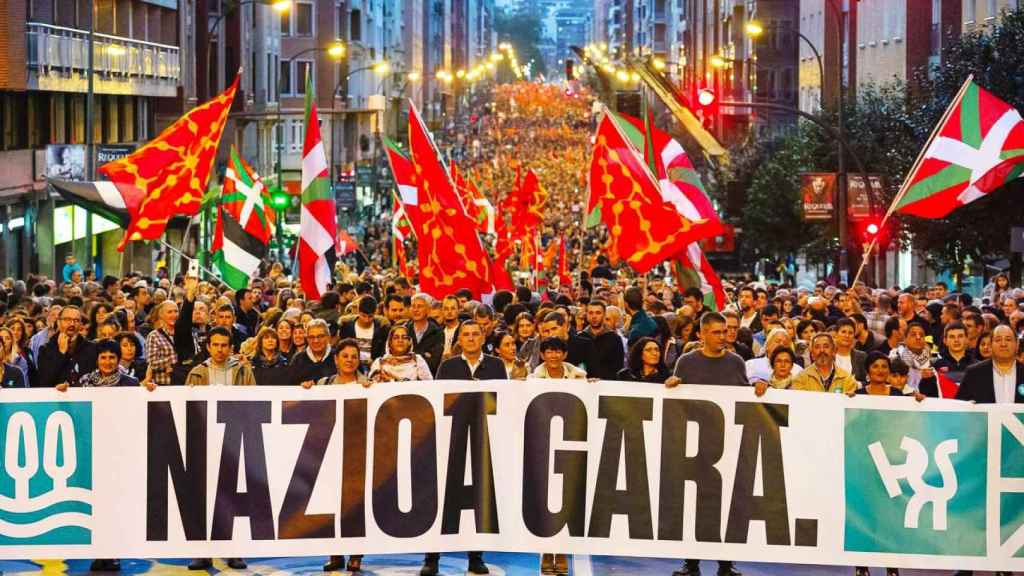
(977, 147)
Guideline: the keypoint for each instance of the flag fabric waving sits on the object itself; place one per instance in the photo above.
(681, 186)
(977, 147)
(167, 176)
(450, 254)
(346, 243)
(236, 253)
(644, 228)
(246, 198)
(318, 227)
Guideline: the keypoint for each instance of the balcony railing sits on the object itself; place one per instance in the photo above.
(55, 52)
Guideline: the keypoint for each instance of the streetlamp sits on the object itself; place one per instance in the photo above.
(279, 6)
(335, 50)
(754, 29)
(380, 68)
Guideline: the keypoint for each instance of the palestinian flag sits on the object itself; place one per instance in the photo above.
(318, 225)
(100, 197)
(246, 198)
(977, 147)
(236, 252)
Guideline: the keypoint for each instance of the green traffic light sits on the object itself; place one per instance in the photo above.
(278, 199)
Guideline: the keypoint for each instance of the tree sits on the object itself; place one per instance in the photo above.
(522, 30)
(979, 231)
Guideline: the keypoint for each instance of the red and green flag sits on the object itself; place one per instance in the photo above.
(318, 226)
(246, 198)
(977, 147)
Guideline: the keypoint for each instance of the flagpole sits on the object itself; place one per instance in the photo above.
(186, 257)
(905, 185)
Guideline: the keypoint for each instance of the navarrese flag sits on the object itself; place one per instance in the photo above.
(450, 254)
(478, 208)
(977, 147)
(644, 228)
(681, 186)
(163, 178)
(318, 226)
(406, 201)
(244, 224)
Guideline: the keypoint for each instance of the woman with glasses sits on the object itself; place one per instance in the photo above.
(645, 363)
(399, 363)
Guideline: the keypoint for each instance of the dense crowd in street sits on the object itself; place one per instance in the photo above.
(78, 331)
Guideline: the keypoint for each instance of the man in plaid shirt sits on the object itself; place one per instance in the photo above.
(160, 344)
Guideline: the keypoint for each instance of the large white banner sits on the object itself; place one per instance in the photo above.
(593, 468)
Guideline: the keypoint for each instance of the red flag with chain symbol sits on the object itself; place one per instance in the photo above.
(168, 175)
(644, 229)
(450, 253)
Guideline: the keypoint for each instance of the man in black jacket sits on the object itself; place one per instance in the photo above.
(68, 355)
(316, 360)
(427, 337)
(190, 333)
(999, 380)
(472, 364)
(248, 315)
(606, 353)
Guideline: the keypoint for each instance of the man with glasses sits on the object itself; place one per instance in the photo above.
(315, 362)
(67, 355)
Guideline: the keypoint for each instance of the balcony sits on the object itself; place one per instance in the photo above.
(58, 61)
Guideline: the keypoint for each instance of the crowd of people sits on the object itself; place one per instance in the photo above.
(923, 342)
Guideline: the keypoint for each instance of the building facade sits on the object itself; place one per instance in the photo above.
(141, 81)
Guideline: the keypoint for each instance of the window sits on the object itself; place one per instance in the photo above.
(303, 71)
(286, 79)
(286, 23)
(295, 136)
(970, 10)
(993, 9)
(303, 19)
(271, 93)
(355, 26)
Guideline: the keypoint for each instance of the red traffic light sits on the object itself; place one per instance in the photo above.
(871, 229)
(705, 97)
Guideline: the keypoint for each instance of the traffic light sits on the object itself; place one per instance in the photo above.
(570, 69)
(871, 230)
(279, 199)
(706, 110)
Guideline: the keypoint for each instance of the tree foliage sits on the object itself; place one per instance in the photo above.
(523, 31)
(887, 126)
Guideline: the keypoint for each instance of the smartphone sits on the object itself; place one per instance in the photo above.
(193, 268)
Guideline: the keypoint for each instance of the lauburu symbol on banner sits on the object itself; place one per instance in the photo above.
(29, 519)
(913, 470)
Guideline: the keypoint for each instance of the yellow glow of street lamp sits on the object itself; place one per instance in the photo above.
(604, 46)
(460, 73)
(634, 77)
(381, 68)
(413, 76)
(280, 6)
(622, 75)
(490, 66)
(337, 50)
(718, 62)
(659, 64)
(753, 28)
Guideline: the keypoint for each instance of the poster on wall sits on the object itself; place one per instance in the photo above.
(818, 190)
(65, 161)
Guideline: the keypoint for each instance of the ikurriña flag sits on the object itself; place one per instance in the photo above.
(246, 198)
(168, 175)
(977, 147)
(318, 224)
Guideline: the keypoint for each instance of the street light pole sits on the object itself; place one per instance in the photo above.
(90, 148)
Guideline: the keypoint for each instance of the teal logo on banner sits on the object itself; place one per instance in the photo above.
(46, 477)
(916, 482)
(1011, 485)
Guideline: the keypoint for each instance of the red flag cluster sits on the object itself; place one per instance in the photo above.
(449, 251)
